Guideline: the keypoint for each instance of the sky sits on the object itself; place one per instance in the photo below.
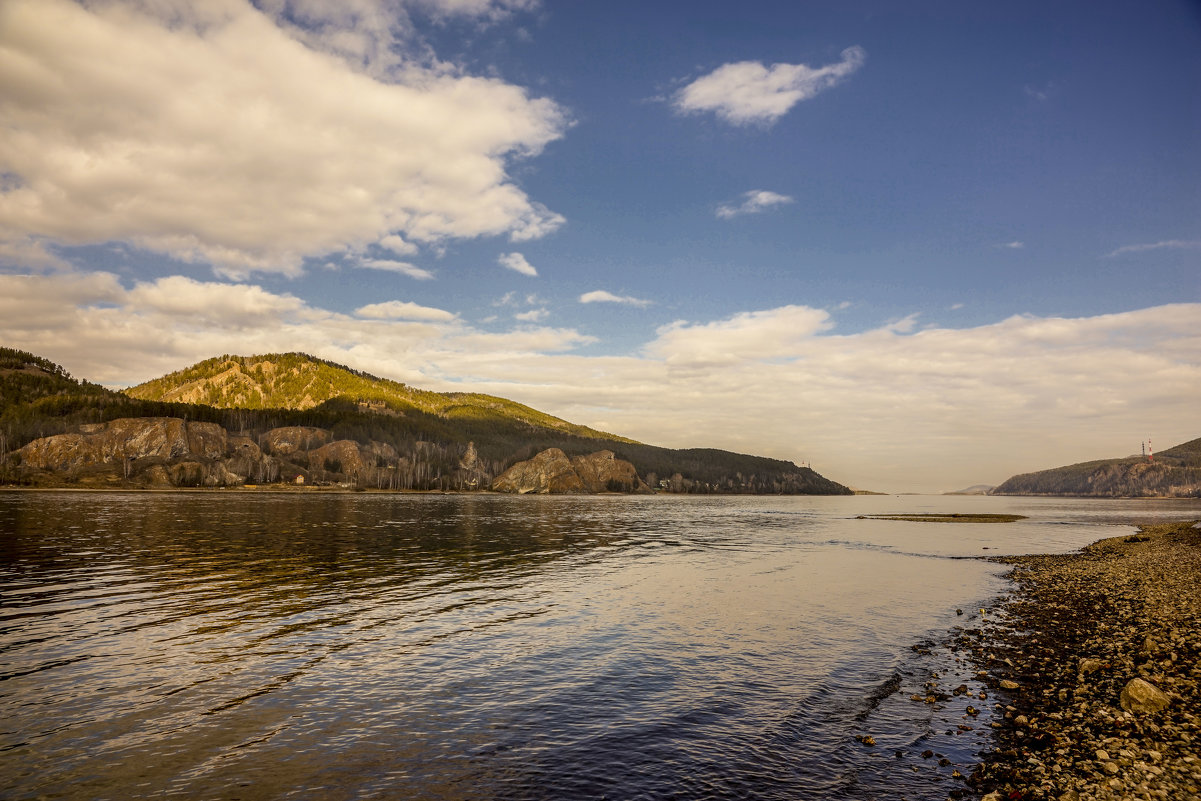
(919, 245)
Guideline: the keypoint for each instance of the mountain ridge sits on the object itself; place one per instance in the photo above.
(298, 381)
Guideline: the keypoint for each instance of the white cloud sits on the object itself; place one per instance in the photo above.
(891, 408)
(517, 263)
(121, 336)
(402, 267)
(761, 335)
(403, 310)
(397, 245)
(747, 92)
(1170, 244)
(212, 135)
(1014, 245)
(753, 202)
(233, 305)
(532, 316)
(602, 296)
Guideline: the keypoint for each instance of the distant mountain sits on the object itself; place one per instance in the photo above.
(298, 381)
(975, 489)
(1174, 473)
(232, 419)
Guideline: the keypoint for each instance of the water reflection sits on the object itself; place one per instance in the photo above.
(355, 646)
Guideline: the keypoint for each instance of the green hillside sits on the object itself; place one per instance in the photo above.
(429, 433)
(1175, 472)
(298, 382)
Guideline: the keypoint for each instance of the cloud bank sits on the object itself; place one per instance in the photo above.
(889, 408)
(747, 92)
(212, 134)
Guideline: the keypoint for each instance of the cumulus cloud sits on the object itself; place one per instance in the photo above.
(532, 316)
(120, 336)
(403, 310)
(762, 335)
(1170, 244)
(891, 408)
(212, 134)
(397, 245)
(747, 92)
(602, 296)
(753, 202)
(517, 263)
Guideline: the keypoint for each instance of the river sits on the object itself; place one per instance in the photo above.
(243, 645)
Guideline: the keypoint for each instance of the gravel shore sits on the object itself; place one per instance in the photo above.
(1093, 671)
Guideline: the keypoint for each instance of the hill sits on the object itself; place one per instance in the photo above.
(1174, 473)
(298, 381)
(356, 429)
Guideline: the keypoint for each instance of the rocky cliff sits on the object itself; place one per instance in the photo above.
(169, 451)
(551, 471)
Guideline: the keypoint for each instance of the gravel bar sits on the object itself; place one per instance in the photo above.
(1093, 668)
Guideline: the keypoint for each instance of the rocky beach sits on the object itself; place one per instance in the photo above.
(1092, 672)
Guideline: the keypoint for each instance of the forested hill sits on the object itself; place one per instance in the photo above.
(1174, 473)
(428, 434)
(298, 381)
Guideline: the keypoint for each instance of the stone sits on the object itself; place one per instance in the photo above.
(1142, 697)
(1089, 666)
(1007, 684)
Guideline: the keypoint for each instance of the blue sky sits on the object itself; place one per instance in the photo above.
(919, 245)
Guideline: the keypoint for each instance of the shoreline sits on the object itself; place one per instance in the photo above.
(1067, 657)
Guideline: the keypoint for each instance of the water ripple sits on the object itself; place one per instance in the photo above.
(358, 646)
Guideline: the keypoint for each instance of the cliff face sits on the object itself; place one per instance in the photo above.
(552, 472)
(1175, 473)
(185, 453)
(168, 451)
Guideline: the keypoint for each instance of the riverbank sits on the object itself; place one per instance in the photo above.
(1094, 667)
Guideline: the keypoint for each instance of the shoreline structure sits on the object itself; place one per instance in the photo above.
(1093, 666)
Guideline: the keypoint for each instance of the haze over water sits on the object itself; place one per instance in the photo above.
(217, 645)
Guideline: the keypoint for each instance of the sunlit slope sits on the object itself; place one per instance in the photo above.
(298, 381)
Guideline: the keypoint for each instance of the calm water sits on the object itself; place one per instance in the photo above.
(225, 645)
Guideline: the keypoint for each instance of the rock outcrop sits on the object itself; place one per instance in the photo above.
(552, 472)
(290, 439)
(187, 453)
